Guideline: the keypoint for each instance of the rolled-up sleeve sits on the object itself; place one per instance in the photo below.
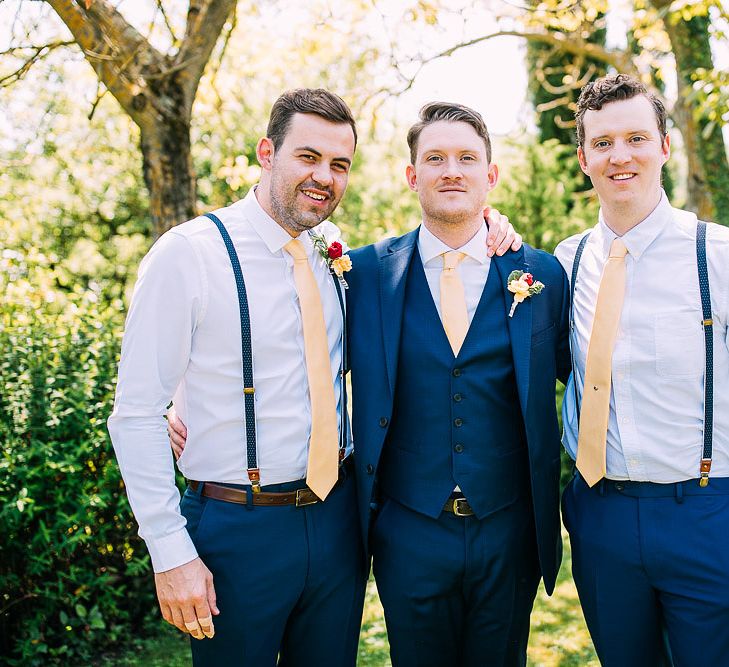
(165, 307)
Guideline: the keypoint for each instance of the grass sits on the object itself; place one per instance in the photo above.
(558, 636)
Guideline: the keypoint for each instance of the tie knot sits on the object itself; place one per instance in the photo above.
(295, 248)
(452, 259)
(618, 249)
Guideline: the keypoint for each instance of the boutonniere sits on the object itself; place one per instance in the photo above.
(522, 285)
(333, 254)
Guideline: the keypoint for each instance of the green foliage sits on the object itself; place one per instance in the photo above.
(542, 198)
(69, 555)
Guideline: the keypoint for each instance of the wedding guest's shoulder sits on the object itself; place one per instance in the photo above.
(541, 263)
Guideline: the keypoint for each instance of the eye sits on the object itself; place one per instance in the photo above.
(637, 139)
(308, 158)
(603, 143)
(340, 167)
(433, 158)
(470, 158)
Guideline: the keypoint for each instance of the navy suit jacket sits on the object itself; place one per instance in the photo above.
(539, 341)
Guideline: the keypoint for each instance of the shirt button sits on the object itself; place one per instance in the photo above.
(383, 421)
(458, 448)
(370, 469)
(457, 398)
(626, 420)
(456, 372)
(619, 487)
(457, 422)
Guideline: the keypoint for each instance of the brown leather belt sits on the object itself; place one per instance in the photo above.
(299, 497)
(458, 506)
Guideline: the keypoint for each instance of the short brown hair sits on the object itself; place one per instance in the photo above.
(450, 112)
(614, 88)
(315, 101)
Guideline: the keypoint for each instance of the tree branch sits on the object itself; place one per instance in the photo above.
(205, 21)
(38, 52)
(116, 51)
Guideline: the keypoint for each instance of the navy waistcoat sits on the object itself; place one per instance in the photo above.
(456, 420)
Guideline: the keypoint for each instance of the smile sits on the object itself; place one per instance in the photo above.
(622, 177)
(315, 195)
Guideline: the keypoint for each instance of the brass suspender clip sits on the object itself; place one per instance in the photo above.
(254, 474)
(705, 470)
(708, 323)
(249, 390)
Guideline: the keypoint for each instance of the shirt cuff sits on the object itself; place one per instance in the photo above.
(171, 550)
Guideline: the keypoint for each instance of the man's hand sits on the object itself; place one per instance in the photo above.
(187, 598)
(502, 236)
(177, 432)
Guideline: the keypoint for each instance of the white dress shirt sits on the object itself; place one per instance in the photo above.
(183, 342)
(473, 269)
(655, 427)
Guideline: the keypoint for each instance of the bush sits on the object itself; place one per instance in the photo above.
(69, 553)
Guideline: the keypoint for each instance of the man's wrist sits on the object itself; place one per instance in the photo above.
(171, 551)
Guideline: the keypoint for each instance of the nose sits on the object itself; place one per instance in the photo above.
(322, 174)
(452, 169)
(620, 153)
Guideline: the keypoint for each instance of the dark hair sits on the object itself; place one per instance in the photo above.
(453, 113)
(614, 88)
(315, 101)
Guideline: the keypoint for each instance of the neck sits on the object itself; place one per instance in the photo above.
(453, 234)
(621, 219)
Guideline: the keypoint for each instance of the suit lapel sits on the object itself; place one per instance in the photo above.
(520, 325)
(394, 263)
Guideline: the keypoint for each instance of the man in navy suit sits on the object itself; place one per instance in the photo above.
(457, 444)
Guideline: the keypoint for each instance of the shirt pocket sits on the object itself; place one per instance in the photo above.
(679, 346)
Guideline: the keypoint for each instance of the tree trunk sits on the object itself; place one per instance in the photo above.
(708, 168)
(169, 174)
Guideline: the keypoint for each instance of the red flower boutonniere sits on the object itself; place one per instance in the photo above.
(522, 285)
(333, 254)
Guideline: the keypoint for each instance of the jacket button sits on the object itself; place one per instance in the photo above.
(457, 398)
(370, 469)
(383, 421)
(456, 372)
(458, 448)
(457, 422)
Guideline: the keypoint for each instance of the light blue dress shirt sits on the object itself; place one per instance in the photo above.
(655, 427)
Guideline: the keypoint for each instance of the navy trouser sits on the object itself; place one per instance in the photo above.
(290, 581)
(652, 558)
(457, 591)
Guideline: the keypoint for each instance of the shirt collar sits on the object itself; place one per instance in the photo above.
(640, 237)
(430, 246)
(273, 235)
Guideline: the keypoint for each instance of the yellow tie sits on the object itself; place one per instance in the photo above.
(596, 393)
(453, 301)
(322, 466)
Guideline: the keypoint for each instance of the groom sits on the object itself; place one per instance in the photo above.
(453, 412)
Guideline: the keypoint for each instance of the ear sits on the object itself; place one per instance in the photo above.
(264, 153)
(493, 176)
(411, 177)
(582, 160)
(666, 148)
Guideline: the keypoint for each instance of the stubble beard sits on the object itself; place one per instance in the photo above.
(286, 211)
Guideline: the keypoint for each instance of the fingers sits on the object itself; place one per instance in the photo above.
(189, 615)
(178, 620)
(212, 598)
(176, 449)
(508, 241)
